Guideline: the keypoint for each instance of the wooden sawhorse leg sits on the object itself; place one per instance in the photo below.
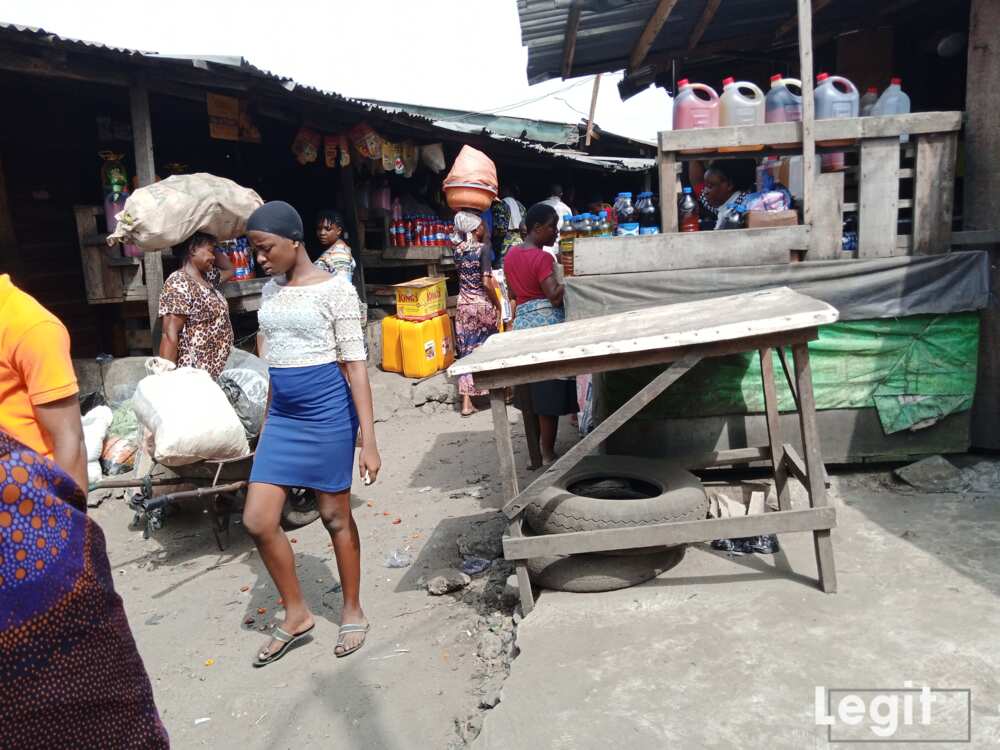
(508, 470)
(774, 431)
(815, 472)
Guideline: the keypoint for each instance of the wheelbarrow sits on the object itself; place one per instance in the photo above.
(222, 483)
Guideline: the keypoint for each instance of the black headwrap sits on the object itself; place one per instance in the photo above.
(276, 217)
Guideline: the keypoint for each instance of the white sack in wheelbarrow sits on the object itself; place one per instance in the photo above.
(189, 418)
(168, 212)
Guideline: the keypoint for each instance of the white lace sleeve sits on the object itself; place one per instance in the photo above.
(346, 310)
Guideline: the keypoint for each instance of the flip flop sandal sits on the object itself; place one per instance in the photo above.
(287, 640)
(347, 630)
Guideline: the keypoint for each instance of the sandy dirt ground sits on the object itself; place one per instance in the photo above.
(198, 614)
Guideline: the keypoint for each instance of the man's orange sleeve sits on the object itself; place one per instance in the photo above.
(43, 359)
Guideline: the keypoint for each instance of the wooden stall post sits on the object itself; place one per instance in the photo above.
(878, 197)
(815, 471)
(667, 163)
(145, 168)
(808, 109)
(351, 217)
(933, 192)
(508, 471)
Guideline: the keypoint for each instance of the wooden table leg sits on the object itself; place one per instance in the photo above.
(508, 471)
(822, 539)
(774, 430)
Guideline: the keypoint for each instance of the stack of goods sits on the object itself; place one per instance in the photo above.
(420, 231)
(239, 254)
(417, 341)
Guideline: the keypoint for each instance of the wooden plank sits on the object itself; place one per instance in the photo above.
(728, 457)
(774, 429)
(564, 369)
(145, 168)
(682, 532)
(704, 21)
(508, 474)
(826, 239)
(680, 250)
(878, 212)
(8, 238)
(934, 193)
(816, 472)
(413, 253)
(597, 436)
(91, 257)
(650, 32)
(569, 42)
(795, 464)
(847, 128)
(667, 172)
(900, 203)
(697, 323)
(808, 111)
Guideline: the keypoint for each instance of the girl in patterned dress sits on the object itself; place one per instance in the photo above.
(478, 308)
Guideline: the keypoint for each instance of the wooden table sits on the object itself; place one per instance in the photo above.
(681, 335)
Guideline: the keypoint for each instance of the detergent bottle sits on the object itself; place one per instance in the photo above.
(835, 97)
(741, 103)
(868, 101)
(782, 104)
(695, 106)
(894, 101)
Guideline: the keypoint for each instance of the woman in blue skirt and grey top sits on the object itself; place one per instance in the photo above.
(309, 325)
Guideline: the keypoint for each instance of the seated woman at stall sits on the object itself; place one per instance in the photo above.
(538, 298)
(336, 258)
(197, 331)
(726, 185)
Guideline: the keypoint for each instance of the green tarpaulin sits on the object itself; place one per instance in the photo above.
(913, 370)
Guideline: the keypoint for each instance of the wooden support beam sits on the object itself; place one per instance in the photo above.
(666, 163)
(145, 169)
(650, 32)
(600, 433)
(774, 429)
(808, 111)
(826, 240)
(593, 108)
(682, 532)
(569, 43)
(789, 25)
(711, 8)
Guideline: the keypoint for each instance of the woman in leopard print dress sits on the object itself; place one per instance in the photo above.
(197, 331)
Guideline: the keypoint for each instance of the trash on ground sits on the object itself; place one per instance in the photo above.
(475, 565)
(398, 558)
(766, 544)
(202, 720)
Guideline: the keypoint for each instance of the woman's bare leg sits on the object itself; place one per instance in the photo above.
(548, 427)
(335, 510)
(467, 406)
(531, 430)
(262, 520)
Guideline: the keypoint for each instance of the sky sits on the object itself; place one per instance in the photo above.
(460, 54)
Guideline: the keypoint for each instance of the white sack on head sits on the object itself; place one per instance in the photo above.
(168, 212)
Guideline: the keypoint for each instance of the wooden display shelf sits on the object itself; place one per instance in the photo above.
(788, 135)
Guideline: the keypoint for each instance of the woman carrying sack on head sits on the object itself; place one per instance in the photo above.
(197, 331)
(309, 324)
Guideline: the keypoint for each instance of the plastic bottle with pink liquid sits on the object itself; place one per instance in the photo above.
(695, 106)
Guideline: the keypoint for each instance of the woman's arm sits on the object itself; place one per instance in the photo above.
(553, 290)
(61, 421)
(225, 266)
(169, 342)
(369, 461)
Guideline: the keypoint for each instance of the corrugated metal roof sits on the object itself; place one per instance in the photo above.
(240, 65)
(609, 29)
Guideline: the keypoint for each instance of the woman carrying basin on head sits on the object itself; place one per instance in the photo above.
(310, 322)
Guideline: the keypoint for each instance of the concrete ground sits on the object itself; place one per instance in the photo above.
(727, 652)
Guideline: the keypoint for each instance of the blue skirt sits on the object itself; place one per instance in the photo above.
(310, 431)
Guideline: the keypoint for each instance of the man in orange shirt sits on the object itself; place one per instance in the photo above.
(38, 390)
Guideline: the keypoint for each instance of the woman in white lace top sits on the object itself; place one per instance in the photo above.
(310, 327)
